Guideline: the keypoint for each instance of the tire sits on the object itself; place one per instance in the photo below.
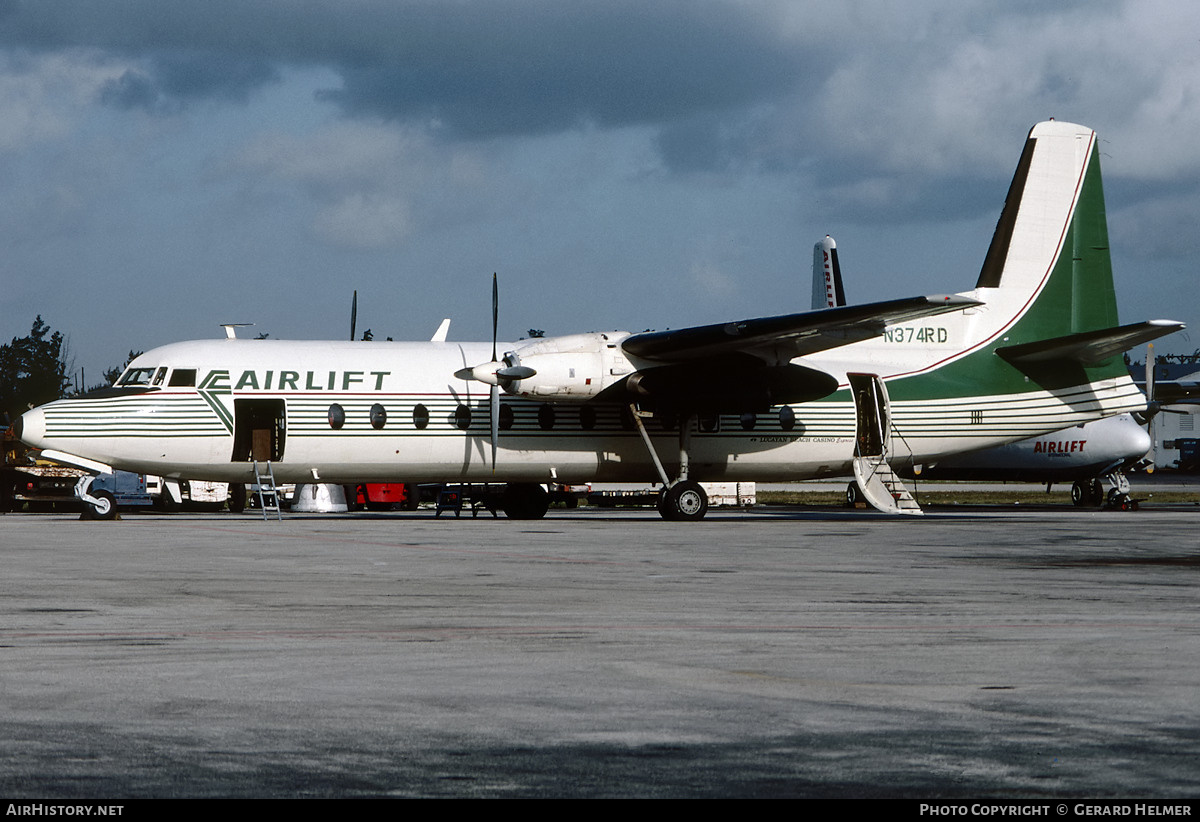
(661, 504)
(412, 496)
(237, 498)
(1079, 494)
(105, 506)
(684, 502)
(525, 501)
(853, 494)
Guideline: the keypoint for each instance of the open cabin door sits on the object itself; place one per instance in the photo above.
(259, 430)
(872, 446)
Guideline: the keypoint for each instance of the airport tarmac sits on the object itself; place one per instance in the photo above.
(1039, 651)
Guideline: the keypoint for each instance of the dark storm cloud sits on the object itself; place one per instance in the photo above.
(173, 79)
(476, 69)
(533, 67)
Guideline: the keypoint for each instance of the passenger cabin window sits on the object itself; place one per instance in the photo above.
(378, 416)
(420, 416)
(337, 416)
(185, 377)
(462, 417)
(787, 418)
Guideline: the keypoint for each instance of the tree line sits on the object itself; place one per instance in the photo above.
(35, 369)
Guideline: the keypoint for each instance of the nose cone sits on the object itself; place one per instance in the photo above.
(1138, 440)
(30, 428)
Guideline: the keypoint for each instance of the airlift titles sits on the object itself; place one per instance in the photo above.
(221, 380)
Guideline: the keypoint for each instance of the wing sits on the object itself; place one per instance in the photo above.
(776, 340)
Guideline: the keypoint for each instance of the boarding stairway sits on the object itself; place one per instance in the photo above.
(882, 488)
(268, 493)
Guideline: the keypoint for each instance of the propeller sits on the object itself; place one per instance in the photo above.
(497, 374)
(494, 388)
(353, 314)
(1153, 407)
(1150, 409)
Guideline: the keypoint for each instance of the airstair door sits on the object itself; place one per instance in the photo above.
(872, 446)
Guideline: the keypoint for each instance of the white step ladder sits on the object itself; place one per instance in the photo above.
(873, 444)
(882, 488)
(268, 493)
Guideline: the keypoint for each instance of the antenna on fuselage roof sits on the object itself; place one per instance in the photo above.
(231, 329)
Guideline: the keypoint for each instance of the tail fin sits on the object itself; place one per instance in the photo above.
(1052, 238)
(827, 276)
(1050, 320)
(1052, 243)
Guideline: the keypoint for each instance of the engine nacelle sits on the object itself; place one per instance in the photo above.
(573, 368)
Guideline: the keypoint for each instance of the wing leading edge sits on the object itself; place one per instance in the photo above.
(776, 340)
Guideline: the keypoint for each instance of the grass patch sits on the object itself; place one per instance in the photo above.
(965, 497)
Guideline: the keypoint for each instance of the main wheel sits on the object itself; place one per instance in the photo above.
(1079, 494)
(105, 506)
(525, 501)
(854, 494)
(412, 496)
(237, 498)
(684, 502)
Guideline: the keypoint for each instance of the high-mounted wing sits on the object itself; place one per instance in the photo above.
(777, 340)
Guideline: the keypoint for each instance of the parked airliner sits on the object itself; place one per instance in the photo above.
(1033, 348)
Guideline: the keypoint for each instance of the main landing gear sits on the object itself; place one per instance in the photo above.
(1091, 492)
(522, 500)
(681, 500)
(684, 501)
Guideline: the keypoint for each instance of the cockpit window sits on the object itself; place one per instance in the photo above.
(183, 376)
(160, 375)
(136, 376)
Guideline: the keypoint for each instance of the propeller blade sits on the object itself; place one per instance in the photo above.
(516, 372)
(1150, 404)
(353, 314)
(495, 392)
(495, 313)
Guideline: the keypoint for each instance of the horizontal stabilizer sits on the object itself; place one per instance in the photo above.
(792, 335)
(1089, 347)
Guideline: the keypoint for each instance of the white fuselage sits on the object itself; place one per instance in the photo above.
(379, 411)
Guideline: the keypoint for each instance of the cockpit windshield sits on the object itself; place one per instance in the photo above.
(136, 376)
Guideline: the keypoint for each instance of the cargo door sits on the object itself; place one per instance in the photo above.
(259, 430)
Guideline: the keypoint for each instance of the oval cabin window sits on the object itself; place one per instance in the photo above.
(378, 416)
(337, 416)
(462, 417)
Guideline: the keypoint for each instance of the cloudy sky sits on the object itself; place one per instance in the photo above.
(169, 166)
